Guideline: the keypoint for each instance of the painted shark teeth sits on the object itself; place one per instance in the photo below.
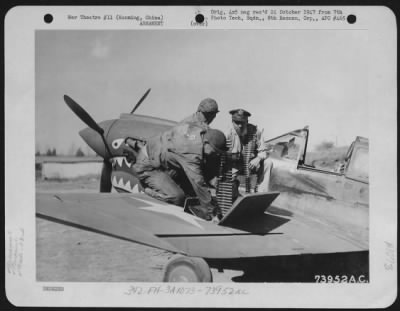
(135, 189)
(120, 161)
(119, 183)
(127, 163)
(128, 185)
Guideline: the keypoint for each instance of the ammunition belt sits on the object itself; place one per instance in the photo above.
(249, 150)
(225, 175)
(225, 182)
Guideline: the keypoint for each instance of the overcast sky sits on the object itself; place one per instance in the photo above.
(286, 78)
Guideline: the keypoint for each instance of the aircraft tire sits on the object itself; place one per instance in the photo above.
(187, 269)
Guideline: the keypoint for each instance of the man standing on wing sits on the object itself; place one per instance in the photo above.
(205, 114)
(246, 144)
(184, 150)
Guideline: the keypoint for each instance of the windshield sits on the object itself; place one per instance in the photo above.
(288, 146)
(359, 165)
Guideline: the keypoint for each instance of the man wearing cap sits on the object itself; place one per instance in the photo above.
(246, 144)
(205, 114)
(171, 166)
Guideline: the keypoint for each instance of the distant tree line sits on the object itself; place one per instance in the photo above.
(49, 152)
(53, 152)
(325, 145)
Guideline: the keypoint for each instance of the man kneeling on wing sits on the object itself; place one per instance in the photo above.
(171, 166)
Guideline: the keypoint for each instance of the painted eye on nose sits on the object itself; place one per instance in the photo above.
(117, 143)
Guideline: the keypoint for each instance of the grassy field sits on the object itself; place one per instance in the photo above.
(80, 184)
(67, 159)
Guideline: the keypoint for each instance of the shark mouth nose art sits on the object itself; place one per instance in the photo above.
(122, 177)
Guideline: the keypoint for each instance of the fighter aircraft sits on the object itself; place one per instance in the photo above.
(108, 138)
(337, 196)
(254, 230)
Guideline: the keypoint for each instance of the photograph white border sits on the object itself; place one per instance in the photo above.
(23, 290)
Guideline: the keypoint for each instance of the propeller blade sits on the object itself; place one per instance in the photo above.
(140, 101)
(82, 114)
(105, 179)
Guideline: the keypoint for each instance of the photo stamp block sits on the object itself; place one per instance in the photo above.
(201, 156)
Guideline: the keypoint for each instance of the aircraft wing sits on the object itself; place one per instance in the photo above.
(139, 218)
(133, 217)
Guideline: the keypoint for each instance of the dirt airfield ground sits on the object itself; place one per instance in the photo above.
(68, 254)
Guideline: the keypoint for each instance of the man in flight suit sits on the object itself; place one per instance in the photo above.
(184, 150)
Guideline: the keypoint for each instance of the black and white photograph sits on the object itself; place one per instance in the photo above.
(231, 156)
